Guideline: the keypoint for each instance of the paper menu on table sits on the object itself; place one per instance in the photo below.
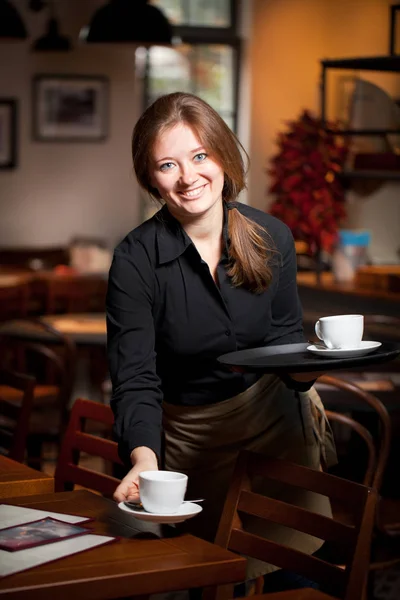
(18, 515)
(14, 562)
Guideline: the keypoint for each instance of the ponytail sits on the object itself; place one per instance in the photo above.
(249, 252)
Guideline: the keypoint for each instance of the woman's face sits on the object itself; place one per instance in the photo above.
(186, 177)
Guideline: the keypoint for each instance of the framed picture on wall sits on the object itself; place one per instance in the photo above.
(8, 133)
(70, 108)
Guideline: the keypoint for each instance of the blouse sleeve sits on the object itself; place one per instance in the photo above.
(286, 311)
(136, 388)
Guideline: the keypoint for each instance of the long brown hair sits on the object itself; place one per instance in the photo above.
(249, 251)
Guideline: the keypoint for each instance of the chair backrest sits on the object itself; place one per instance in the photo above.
(50, 360)
(377, 454)
(15, 415)
(382, 326)
(77, 440)
(352, 541)
(15, 293)
(75, 294)
(22, 257)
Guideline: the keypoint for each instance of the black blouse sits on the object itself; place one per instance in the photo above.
(168, 322)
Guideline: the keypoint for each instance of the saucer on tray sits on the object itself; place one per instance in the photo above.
(364, 348)
(187, 510)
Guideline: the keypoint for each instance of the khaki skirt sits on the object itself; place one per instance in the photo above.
(269, 418)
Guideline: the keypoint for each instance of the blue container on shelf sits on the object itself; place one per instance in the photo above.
(351, 252)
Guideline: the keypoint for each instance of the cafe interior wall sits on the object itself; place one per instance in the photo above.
(289, 37)
(59, 190)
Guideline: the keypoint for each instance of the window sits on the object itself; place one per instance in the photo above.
(206, 62)
(197, 13)
(207, 71)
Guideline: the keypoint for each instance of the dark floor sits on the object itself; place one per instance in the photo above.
(387, 584)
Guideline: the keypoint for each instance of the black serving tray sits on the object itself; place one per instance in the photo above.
(295, 358)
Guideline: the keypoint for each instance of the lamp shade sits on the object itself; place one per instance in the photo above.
(11, 24)
(52, 41)
(129, 21)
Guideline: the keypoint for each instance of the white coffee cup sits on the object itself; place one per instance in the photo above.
(340, 331)
(162, 492)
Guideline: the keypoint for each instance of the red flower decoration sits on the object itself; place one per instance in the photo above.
(309, 196)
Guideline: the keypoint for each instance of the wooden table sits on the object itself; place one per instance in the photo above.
(330, 297)
(17, 479)
(86, 329)
(44, 285)
(137, 564)
(350, 288)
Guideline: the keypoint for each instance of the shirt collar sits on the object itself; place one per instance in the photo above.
(172, 239)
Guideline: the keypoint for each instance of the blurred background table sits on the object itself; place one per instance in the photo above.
(329, 297)
(16, 479)
(34, 293)
(86, 329)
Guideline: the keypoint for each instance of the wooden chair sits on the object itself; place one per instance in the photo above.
(14, 418)
(53, 365)
(352, 542)
(382, 326)
(74, 294)
(15, 293)
(21, 257)
(377, 457)
(76, 440)
(385, 542)
(300, 594)
(388, 518)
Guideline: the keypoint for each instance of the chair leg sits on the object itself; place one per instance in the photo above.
(34, 449)
(221, 592)
(370, 587)
(259, 585)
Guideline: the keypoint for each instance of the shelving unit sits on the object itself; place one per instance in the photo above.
(389, 63)
(366, 63)
(370, 174)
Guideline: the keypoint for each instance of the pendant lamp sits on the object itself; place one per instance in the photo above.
(52, 40)
(11, 25)
(128, 21)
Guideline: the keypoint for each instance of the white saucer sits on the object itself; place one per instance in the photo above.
(364, 348)
(187, 510)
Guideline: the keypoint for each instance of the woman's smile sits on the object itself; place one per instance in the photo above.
(194, 193)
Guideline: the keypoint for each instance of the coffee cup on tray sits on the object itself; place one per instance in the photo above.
(340, 331)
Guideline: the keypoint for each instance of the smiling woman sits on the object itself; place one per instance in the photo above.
(176, 123)
(204, 276)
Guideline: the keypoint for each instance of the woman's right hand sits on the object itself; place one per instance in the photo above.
(143, 459)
